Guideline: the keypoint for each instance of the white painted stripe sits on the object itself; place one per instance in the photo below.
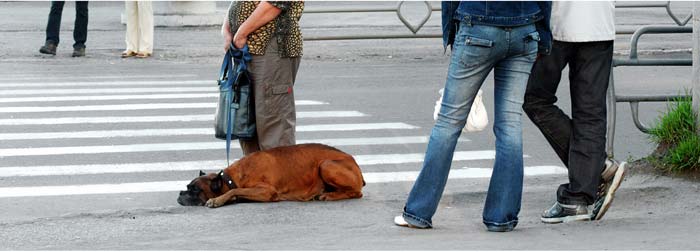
(107, 107)
(169, 186)
(131, 90)
(387, 177)
(189, 131)
(211, 82)
(362, 160)
(180, 118)
(42, 76)
(117, 107)
(108, 97)
(14, 152)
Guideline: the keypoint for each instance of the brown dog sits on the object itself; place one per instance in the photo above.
(300, 172)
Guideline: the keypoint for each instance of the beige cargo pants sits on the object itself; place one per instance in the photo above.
(275, 116)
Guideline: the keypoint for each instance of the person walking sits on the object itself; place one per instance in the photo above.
(501, 36)
(271, 31)
(583, 33)
(139, 29)
(53, 28)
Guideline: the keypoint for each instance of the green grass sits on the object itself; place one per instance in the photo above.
(677, 129)
(685, 156)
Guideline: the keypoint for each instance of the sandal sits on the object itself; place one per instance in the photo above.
(143, 55)
(128, 53)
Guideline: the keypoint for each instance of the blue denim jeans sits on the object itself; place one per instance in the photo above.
(510, 52)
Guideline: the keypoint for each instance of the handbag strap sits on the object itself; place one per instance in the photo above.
(241, 57)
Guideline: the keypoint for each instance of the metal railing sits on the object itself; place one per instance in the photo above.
(634, 60)
(414, 28)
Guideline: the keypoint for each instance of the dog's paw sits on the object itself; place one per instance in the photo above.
(211, 203)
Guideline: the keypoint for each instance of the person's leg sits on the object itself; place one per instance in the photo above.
(589, 76)
(540, 99)
(145, 24)
(53, 27)
(275, 114)
(470, 64)
(505, 188)
(81, 24)
(132, 27)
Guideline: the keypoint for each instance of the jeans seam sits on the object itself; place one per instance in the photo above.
(416, 218)
(500, 224)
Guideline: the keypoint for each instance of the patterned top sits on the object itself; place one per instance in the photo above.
(285, 28)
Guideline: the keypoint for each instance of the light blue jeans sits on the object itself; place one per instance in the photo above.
(511, 52)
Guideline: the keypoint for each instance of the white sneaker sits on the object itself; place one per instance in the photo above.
(399, 221)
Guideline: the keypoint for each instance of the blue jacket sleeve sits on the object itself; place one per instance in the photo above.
(449, 25)
(543, 28)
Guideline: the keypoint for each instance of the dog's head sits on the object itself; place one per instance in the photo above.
(201, 189)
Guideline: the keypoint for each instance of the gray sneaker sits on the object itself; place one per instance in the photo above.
(611, 166)
(606, 191)
(48, 48)
(78, 52)
(559, 213)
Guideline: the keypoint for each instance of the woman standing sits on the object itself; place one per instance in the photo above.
(504, 37)
(139, 29)
(271, 31)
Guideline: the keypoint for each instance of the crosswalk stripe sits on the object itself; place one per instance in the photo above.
(190, 131)
(108, 97)
(210, 165)
(191, 146)
(131, 90)
(170, 186)
(178, 118)
(116, 107)
(211, 82)
(30, 77)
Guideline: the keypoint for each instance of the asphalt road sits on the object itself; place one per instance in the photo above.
(93, 150)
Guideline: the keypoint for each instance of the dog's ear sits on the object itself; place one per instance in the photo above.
(217, 182)
(201, 173)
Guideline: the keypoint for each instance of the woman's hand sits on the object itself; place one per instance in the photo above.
(239, 40)
(226, 33)
(228, 38)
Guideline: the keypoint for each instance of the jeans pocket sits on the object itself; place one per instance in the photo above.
(474, 50)
(531, 42)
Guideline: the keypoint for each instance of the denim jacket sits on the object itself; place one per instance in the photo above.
(497, 13)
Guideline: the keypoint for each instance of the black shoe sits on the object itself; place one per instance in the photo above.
(606, 192)
(48, 48)
(559, 213)
(78, 52)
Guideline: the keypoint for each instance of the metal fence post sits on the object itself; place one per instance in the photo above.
(696, 63)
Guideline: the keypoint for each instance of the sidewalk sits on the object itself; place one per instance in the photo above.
(24, 23)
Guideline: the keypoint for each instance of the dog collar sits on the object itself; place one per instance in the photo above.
(227, 180)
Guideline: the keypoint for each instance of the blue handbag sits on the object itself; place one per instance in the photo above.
(235, 112)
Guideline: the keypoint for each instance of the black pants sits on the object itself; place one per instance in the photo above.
(81, 23)
(579, 140)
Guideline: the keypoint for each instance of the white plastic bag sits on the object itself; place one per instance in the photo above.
(477, 119)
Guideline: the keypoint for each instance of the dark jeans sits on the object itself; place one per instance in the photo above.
(579, 140)
(81, 23)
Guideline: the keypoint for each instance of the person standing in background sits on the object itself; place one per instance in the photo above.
(53, 28)
(271, 31)
(139, 29)
(584, 32)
